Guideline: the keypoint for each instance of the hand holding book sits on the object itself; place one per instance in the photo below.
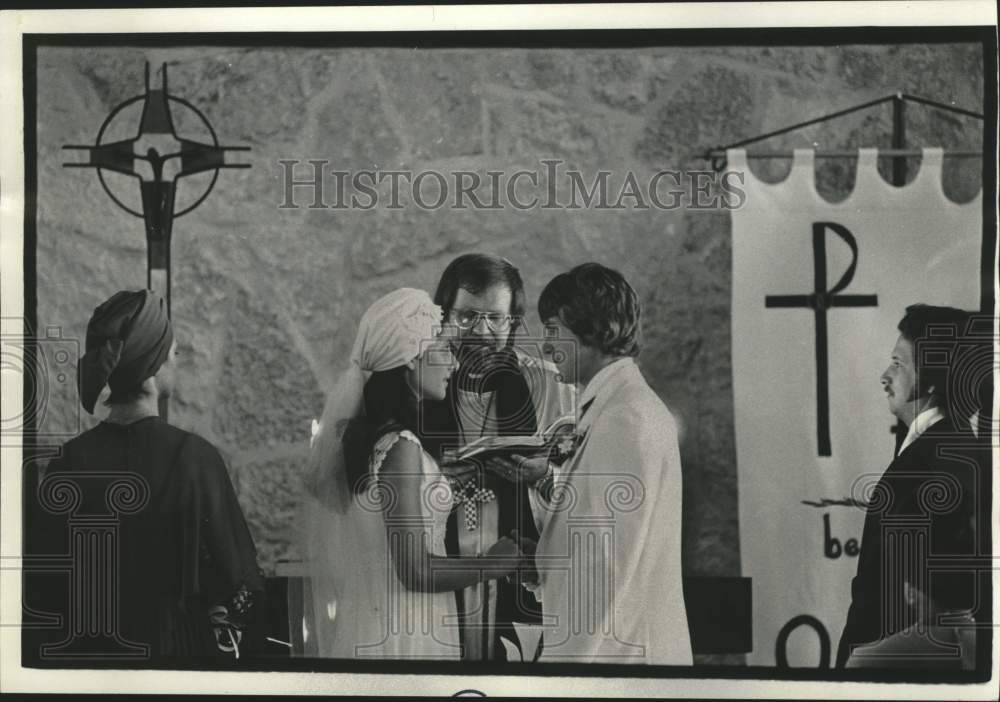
(517, 468)
(554, 441)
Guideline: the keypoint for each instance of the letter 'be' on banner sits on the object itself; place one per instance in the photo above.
(818, 289)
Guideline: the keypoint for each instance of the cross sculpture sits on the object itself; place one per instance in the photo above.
(820, 300)
(156, 128)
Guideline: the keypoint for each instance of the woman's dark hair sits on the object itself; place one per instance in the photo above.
(389, 405)
(476, 272)
(598, 305)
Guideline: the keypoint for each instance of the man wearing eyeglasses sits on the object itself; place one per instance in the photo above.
(500, 388)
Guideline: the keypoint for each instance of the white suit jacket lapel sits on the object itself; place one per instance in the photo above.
(619, 375)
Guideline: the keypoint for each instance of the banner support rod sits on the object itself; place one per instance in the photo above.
(898, 139)
(717, 155)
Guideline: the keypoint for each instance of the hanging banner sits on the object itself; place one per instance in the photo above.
(818, 289)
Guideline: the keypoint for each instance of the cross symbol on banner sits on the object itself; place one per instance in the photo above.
(820, 301)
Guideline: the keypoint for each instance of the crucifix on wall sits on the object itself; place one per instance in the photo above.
(158, 158)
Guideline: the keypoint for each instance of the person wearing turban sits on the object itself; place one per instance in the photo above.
(382, 583)
(187, 581)
(129, 339)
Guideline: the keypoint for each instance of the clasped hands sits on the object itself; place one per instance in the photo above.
(513, 468)
(521, 552)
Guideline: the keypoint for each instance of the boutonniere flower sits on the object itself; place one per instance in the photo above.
(565, 447)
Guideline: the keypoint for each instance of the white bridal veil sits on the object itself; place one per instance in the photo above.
(343, 532)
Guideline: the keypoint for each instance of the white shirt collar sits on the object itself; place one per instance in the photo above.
(921, 423)
(602, 377)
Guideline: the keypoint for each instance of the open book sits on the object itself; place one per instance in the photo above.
(557, 439)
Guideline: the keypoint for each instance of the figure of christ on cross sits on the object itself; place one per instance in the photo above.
(820, 300)
(157, 144)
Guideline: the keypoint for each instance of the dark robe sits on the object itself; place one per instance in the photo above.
(182, 543)
(439, 425)
(893, 538)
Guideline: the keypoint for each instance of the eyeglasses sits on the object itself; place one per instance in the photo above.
(467, 319)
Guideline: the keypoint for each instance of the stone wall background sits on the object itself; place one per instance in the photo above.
(265, 299)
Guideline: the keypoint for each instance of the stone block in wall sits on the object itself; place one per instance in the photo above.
(351, 125)
(552, 71)
(541, 127)
(267, 392)
(435, 100)
(618, 79)
(860, 67)
(269, 490)
(113, 74)
(804, 64)
(708, 109)
(711, 491)
(255, 95)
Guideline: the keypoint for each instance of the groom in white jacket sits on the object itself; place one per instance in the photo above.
(609, 555)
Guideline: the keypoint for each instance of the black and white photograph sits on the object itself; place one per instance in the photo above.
(535, 350)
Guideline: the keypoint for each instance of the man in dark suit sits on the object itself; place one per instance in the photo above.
(920, 527)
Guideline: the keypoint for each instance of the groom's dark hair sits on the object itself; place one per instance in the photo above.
(598, 305)
(476, 272)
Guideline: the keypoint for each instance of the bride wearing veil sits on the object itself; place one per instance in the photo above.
(376, 504)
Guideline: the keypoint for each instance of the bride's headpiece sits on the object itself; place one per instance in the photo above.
(392, 332)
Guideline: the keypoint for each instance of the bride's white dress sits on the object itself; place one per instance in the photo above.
(361, 608)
